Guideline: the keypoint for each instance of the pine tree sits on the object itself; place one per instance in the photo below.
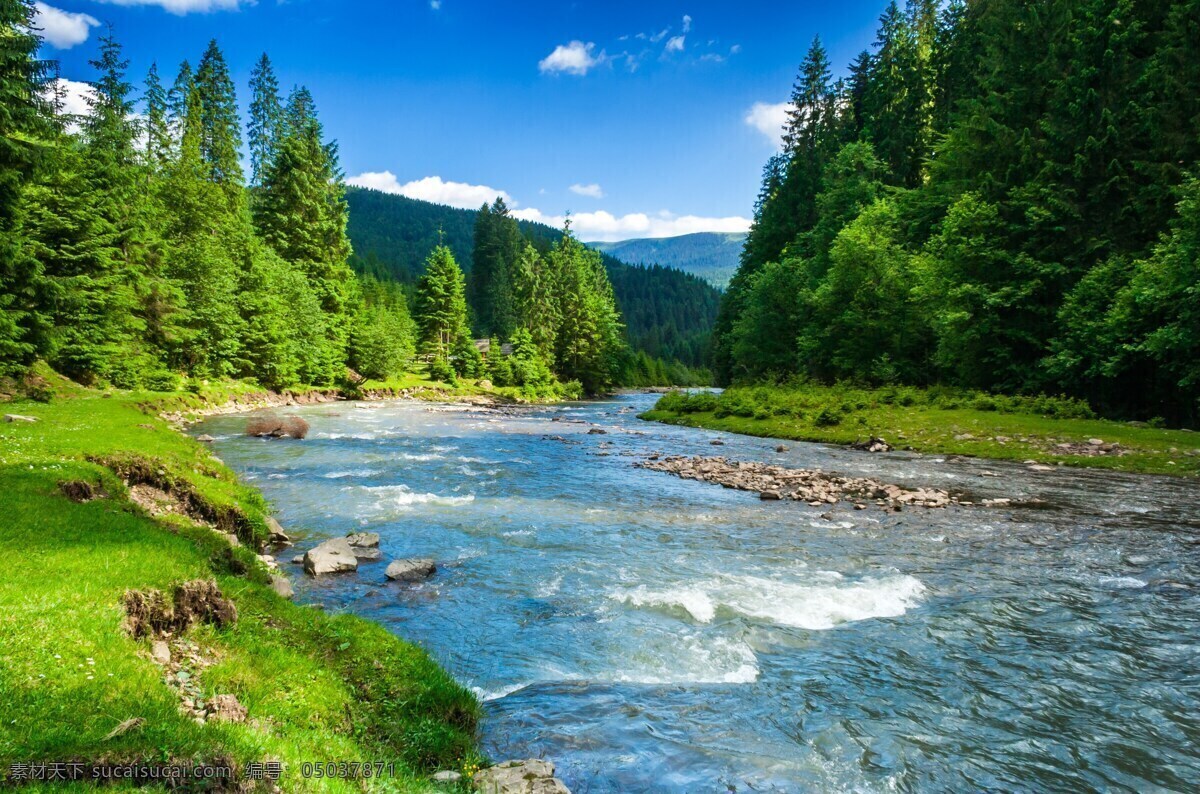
(177, 100)
(498, 245)
(534, 294)
(442, 306)
(157, 126)
(266, 118)
(220, 128)
(24, 130)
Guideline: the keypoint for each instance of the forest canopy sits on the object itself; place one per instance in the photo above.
(999, 195)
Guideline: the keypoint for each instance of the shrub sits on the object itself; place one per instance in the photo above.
(827, 417)
(675, 401)
(701, 401)
(440, 370)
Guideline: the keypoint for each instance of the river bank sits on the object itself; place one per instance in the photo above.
(140, 625)
(908, 419)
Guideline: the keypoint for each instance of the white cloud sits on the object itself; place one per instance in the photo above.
(435, 4)
(687, 23)
(181, 7)
(432, 188)
(735, 49)
(603, 226)
(769, 119)
(573, 58)
(662, 34)
(675, 44)
(73, 96)
(62, 29)
(597, 226)
(591, 191)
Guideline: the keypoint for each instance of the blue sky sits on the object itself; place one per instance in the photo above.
(640, 118)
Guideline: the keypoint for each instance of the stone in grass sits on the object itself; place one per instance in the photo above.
(519, 777)
(282, 586)
(447, 777)
(333, 556)
(414, 570)
(19, 418)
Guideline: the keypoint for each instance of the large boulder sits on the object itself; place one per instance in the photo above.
(282, 586)
(410, 570)
(520, 777)
(333, 556)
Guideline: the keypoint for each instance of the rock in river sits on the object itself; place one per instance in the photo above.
(333, 556)
(520, 777)
(411, 570)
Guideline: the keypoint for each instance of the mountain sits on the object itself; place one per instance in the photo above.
(668, 314)
(713, 256)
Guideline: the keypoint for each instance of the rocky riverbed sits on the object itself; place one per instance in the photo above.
(804, 485)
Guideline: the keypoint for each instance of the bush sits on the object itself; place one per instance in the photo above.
(827, 417)
(440, 370)
(701, 402)
(674, 401)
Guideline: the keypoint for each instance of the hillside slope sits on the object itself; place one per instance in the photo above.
(713, 256)
(667, 313)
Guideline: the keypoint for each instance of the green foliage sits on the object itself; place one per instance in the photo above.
(996, 198)
(442, 307)
(666, 313)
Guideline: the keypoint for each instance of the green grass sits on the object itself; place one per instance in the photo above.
(935, 422)
(317, 687)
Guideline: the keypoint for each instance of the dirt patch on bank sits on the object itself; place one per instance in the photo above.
(148, 613)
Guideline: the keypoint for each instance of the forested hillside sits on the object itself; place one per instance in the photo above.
(667, 314)
(1001, 195)
(713, 256)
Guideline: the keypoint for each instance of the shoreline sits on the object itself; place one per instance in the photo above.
(1034, 441)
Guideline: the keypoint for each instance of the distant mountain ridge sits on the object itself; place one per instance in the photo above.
(713, 256)
(668, 314)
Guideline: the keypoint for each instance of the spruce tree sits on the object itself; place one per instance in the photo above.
(157, 123)
(24, 131)
(220, 128)
(266, 118)
(441, 310)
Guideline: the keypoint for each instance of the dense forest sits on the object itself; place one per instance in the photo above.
(713, 256)
(1002, 195)
(668, 315)
(137, 253)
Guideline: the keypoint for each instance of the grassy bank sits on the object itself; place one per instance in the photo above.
(1043, 429)
(315, 687)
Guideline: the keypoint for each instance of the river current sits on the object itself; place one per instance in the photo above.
(649, 633)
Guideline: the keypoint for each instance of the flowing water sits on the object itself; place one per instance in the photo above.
(649, 633)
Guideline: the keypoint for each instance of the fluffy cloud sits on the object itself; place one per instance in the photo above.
(769, 119)
(432, 188)
(73, 97)
(62, 29)
(573, 58)
(591, 191)
(675, 44)
(181, 7)
(603, 226)
(687, 23)
(435, 4)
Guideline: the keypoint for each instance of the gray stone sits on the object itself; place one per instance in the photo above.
(520, 777)
(366, 540)
(282, 586)
(160, 652)
(19, 418)
(411, 570)
(277, 535)
(597, 431)
(769, 496)
(781, 448)
(205, 439)
(367, 555)
(332, 556)
(447, 776)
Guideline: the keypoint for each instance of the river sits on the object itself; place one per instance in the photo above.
(649, 633)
